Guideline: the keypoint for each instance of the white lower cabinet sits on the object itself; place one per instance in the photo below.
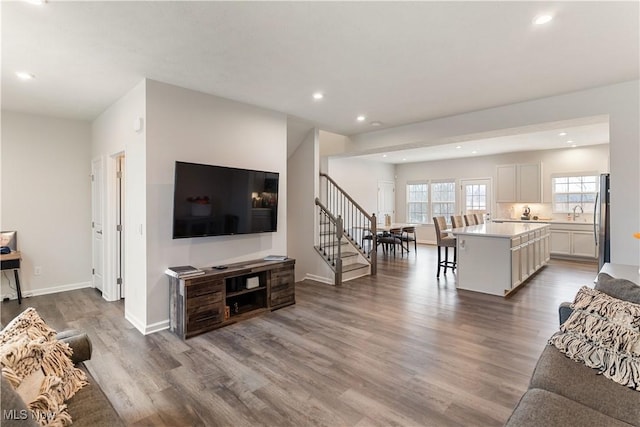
(573, 240)
(583, 244)
(529, 253)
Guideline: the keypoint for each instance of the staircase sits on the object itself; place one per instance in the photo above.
(342, 226)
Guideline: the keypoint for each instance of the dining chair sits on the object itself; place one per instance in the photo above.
(390, 239)
(409, 235)
(367, 237)
(479, 218)
(444, 240)
(470, 219)
(457, 221)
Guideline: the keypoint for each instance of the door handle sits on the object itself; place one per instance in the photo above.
(595, 229)
(99, 232)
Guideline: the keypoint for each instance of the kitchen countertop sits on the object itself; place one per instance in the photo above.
(580, 220)
(502, 230)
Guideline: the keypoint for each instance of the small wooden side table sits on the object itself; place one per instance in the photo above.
(11, 261)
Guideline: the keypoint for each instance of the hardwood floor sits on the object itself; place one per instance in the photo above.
(401, 348)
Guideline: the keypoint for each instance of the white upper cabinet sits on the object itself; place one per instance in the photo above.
(519, 183)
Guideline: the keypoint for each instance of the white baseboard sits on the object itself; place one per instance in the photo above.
(157, 327)
(135, 322)
(147, 329)
(319, 279)
(46, 291)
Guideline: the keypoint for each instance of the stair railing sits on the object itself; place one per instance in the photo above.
(358, 224)
(329, 239)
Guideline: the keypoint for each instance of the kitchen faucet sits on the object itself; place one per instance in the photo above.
(574, 211)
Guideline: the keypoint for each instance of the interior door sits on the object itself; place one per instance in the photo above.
(120, 248)
(476, 196)
(386, 200)
(97, 220)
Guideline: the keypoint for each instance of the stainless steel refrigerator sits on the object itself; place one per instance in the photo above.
(601, 219)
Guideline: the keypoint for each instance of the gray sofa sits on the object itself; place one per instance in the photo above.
(88, 407)
(563, 392)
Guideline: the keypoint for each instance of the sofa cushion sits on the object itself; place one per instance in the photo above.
(90, 406)
(14, 411)
(618, 288)
(542, 408)
(603, 332)
(557, 373)
(28, 345)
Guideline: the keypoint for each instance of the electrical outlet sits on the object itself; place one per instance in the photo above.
(37, 270)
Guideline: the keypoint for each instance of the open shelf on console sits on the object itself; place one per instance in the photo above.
(245, 291)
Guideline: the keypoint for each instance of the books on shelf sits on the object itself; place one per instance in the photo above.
(275, 258)
(183, 271)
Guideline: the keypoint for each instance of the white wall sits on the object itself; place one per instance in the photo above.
(620, 101)
(593, 158)
(112, 134)
(302, 222)
(45, 197)
(195, 127)
(359, 178)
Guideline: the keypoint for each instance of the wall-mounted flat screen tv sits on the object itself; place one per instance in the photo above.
(213, 200)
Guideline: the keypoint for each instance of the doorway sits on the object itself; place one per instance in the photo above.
(476, 196)
(386, 200)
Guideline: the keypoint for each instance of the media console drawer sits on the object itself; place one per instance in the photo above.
(221, 297)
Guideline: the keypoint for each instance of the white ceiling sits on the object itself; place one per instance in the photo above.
(547, 136)
(396, 62)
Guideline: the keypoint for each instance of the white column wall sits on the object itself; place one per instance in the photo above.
(303, 175)
(113, 133)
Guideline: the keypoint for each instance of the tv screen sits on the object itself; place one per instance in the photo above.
(216, 201)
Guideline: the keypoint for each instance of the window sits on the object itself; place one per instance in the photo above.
(571, 191)
(428, 199)
(476, 195)
(417, 202)
(443, 199)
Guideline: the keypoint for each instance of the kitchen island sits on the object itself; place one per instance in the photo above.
(497, 258)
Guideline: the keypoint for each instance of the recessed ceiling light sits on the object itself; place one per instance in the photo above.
(574, 146)
(569, 142)
(474, 152)
(542, 19)
(23, 75)
(384, 155)
(562, 134)
(318, 95)
(404, 160)
(376, 123)
(361, 118)
(458, 147)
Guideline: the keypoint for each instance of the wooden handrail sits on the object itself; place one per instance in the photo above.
(369, 217)
(353, 217)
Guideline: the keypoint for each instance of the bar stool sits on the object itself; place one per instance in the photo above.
(457, 221)
(445, 241)
(479, 219)
(470, 219)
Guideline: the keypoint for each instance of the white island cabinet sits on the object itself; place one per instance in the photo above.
(496, 258)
